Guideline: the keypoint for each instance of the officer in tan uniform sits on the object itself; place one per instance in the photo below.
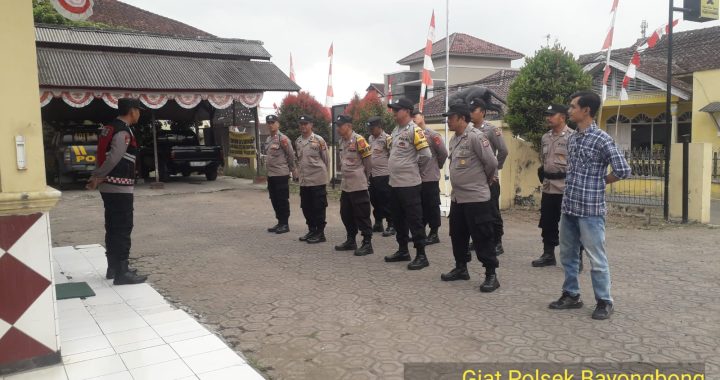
(312, 164)
(355, 165)
(552, 175)
(408, 147)
(430, 176)
(494, 135)
(472, 167)
(380, 176)
(280, 162)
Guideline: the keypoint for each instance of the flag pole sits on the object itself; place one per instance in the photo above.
(447, 85)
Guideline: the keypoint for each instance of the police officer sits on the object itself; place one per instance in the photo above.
(115, 178)
(280, 162)
(472, 167)
(430, 176)
(497, 143)
(407, 146)
(552, 173)
(355, 165)
(312, 164)
(380, 176)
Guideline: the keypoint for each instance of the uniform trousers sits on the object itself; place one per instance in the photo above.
(355, 213)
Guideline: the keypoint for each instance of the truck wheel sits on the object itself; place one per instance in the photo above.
(211, 172)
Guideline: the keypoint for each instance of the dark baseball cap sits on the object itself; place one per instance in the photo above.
(271, 119)
(343, 119)
(457, 109)
(128, 103)
(374, 121)
(416, 112)
(305, 119)
(555, 109)
(477, 102)
(403, 103)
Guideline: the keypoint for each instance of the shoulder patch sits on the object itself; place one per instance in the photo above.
(485, 142)
(498, 131)
(363, 148)
(437, 140)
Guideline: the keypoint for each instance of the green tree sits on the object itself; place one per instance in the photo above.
(551, 76)
(362, 109)
(295, 105)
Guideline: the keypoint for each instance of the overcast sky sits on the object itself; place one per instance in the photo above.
(371, 35)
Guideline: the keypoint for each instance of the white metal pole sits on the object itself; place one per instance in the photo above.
(447, 85)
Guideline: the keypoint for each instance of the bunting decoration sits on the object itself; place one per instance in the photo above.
(607, 45)
(330, 94)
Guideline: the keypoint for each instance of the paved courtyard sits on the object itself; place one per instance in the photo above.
(298, 311)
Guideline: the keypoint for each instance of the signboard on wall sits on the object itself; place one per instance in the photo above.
(242, 145)
(701, 10)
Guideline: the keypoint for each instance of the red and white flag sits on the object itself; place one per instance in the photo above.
(389, 91)
(635, 60)
(329, 95)
(607, 45)
(427, 81)
(292, 69)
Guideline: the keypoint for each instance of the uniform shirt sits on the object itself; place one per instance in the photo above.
(430, 168)
(312, 160)
(280, 160)
(554, 158)
(407, 145)
(497, 143)
(590, 152)
(355, 163)
(118, 147)
(380, 154)
(472, 162)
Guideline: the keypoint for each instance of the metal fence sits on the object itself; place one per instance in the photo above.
(645, 186)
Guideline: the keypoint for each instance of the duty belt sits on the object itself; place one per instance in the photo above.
(554, 175)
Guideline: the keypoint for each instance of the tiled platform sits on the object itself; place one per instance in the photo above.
(130, 332)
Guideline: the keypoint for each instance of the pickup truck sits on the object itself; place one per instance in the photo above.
(70, 154)
(180, 152)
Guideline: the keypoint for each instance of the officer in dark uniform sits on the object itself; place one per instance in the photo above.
(115, 178)
(355, 165)
(312, 163)
(280, 163)
(380, 176)
(472, 167)
(408, 147)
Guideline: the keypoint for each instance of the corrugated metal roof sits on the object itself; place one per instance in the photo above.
(712, 107)
(118, 70)
(111, 40)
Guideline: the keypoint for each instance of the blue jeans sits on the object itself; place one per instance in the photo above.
(590, 232)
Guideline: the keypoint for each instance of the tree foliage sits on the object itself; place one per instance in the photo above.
(295, 105)
(44, 13)
(362, 109)
(551, 76)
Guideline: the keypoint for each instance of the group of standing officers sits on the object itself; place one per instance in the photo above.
(398, 175)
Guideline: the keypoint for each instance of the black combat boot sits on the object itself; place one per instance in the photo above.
(366, 248)
(378, 226)
(274, 228)
(420, 261)
(402, 254)
(458, 273)
(317, 237)
(490, 284)
(311, 231)
(124, 277)
(390, 231)
(110, 273)
(283, 228)
(348, 245)
(566, 301)
(547, 259)
(433, 237)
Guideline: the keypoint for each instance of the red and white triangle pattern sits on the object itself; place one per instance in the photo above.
(27, 311)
